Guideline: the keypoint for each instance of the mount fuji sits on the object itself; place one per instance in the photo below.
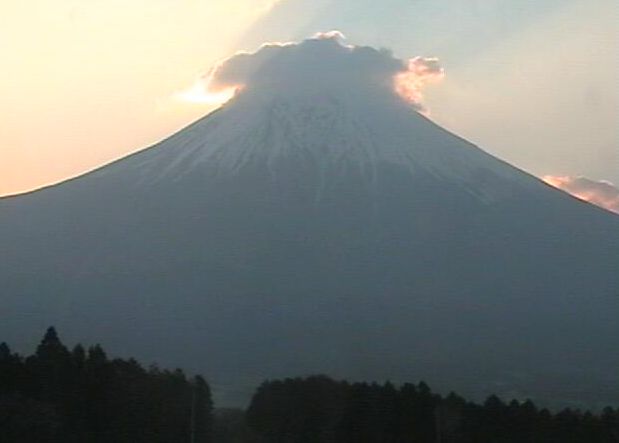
(318, 223)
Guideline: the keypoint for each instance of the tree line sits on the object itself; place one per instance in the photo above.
(319, 409)
(80, 395)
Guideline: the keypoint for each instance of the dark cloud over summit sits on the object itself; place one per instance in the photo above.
(324, 62)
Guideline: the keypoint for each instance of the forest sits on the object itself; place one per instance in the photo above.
(318, 409)
(81, 395)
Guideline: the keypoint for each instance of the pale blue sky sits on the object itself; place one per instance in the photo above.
(453, 28)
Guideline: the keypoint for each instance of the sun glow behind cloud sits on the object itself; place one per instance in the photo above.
(198, 93)
(75, 68)
(324, 61)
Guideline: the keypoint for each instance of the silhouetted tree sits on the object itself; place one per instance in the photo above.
(283, 411)
(57, 396)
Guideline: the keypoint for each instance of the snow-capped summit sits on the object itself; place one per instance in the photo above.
(334, 133)
(317, 223)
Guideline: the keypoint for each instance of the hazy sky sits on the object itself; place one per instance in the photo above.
(87, 81)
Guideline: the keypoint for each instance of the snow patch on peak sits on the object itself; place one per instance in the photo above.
(334, 132)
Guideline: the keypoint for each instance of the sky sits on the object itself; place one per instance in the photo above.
(86, 82)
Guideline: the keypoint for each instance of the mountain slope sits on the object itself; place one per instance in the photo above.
(309, 232)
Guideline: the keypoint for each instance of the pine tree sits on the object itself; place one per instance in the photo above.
(50, 347)
(51, 367)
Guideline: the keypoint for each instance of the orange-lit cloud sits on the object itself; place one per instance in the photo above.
(323, 62)
(601, 193)
(420, 71)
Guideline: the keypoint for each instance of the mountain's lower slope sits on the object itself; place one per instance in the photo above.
(263, 244)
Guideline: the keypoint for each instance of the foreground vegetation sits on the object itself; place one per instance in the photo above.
(58, 395)
(80, 396)
(318, 409)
